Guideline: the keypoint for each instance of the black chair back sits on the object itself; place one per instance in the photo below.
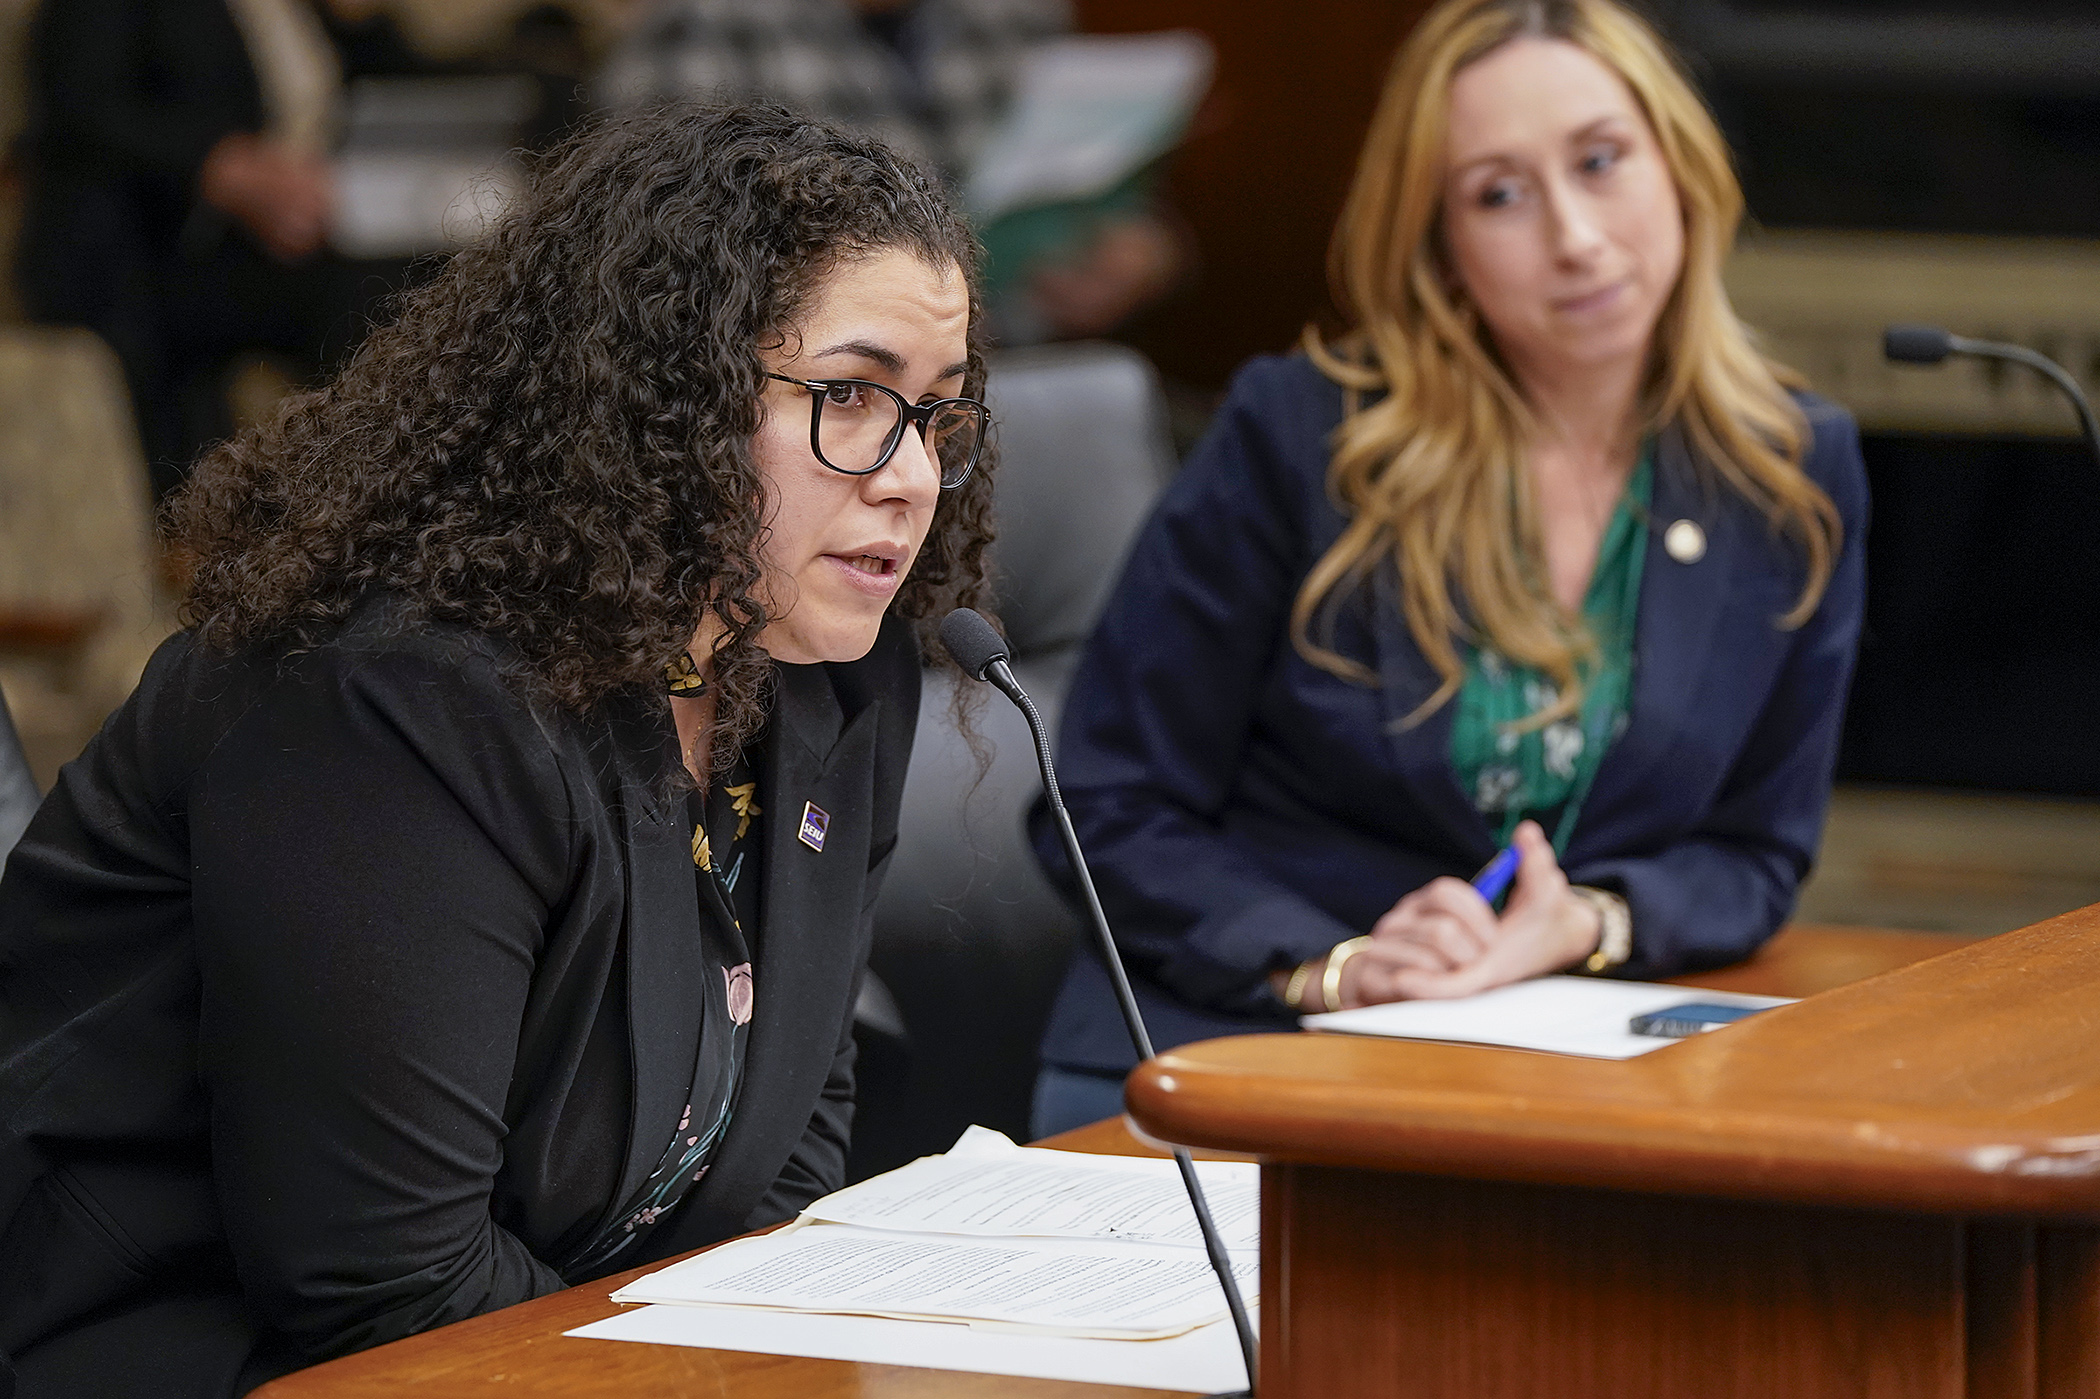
(18, 802)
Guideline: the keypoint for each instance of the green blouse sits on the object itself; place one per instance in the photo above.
(1510, 774)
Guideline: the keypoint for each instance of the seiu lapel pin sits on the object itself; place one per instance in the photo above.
(815, 820)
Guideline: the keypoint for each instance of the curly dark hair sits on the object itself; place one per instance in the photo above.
(551, 440)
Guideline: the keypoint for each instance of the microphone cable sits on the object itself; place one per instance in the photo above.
(978, 648)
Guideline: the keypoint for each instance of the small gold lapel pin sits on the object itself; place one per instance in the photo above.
(1685, 542)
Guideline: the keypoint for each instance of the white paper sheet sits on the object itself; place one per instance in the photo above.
(1557, 1014)
(989, 1186)
(1205, 1360)
(1060, 1286)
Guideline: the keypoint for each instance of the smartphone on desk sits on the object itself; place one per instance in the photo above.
(1693, 1018)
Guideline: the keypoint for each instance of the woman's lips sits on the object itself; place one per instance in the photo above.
(873, 574)
(1590, 302)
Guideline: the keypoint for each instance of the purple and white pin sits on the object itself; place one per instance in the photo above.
(815, 821)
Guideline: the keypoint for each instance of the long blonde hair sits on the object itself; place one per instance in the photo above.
(1431, 473)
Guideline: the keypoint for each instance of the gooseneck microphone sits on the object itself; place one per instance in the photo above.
(1928, 344)
(982, 654)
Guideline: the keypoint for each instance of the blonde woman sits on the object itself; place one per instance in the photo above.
(1541, 554)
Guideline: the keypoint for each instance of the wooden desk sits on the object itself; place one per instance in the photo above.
(1892, 1189)
(1807, 959)
(520, 1351)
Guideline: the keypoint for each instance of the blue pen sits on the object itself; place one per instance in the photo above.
(1493, 880)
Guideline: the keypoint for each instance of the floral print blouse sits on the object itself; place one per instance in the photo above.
(726, 848)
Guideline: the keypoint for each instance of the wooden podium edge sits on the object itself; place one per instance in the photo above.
(1763, 1111)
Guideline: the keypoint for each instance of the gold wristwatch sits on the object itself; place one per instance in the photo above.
(1614, 928)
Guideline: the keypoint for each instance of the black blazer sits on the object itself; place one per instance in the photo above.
(338, 994)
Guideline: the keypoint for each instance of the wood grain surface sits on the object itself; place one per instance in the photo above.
(1527, 1281)
(1966, 1083)
(2003, 1339)
(1807, 959)
(1479, 1290)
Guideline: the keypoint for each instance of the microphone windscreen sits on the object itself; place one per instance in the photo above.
(1916, 344)
(973, 642)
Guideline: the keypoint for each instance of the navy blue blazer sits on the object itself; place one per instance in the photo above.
(1243, 810)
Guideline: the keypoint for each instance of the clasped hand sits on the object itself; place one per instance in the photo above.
(1445, 940)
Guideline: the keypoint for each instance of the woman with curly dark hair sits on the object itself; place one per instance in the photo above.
(471, 900)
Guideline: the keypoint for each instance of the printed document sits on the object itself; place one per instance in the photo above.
(1206, 1360)
(994, 1236)
(989, 1186)
(1052, 1286)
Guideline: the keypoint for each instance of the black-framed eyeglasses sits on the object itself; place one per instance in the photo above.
(855, 426)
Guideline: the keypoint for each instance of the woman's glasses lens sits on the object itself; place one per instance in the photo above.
(856, 425)
(954, 437)
(859, 424)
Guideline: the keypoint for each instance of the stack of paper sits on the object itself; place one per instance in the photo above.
(993, 1234)
(1206, 1360)
(987, 1185)
(1059, 1288)
(1049, 1263)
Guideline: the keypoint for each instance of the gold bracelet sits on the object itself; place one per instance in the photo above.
(1294, 989)
(1331, 979)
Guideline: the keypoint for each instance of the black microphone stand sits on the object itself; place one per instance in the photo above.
(981, 653)
(1928, 344)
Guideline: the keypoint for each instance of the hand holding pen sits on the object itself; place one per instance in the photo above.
(1445, 939)
(1495, 876)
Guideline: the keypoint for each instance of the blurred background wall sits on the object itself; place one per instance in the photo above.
(1263, 171)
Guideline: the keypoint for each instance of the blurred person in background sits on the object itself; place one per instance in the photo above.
(931, 77)
(179, 194)
(1541, 553)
